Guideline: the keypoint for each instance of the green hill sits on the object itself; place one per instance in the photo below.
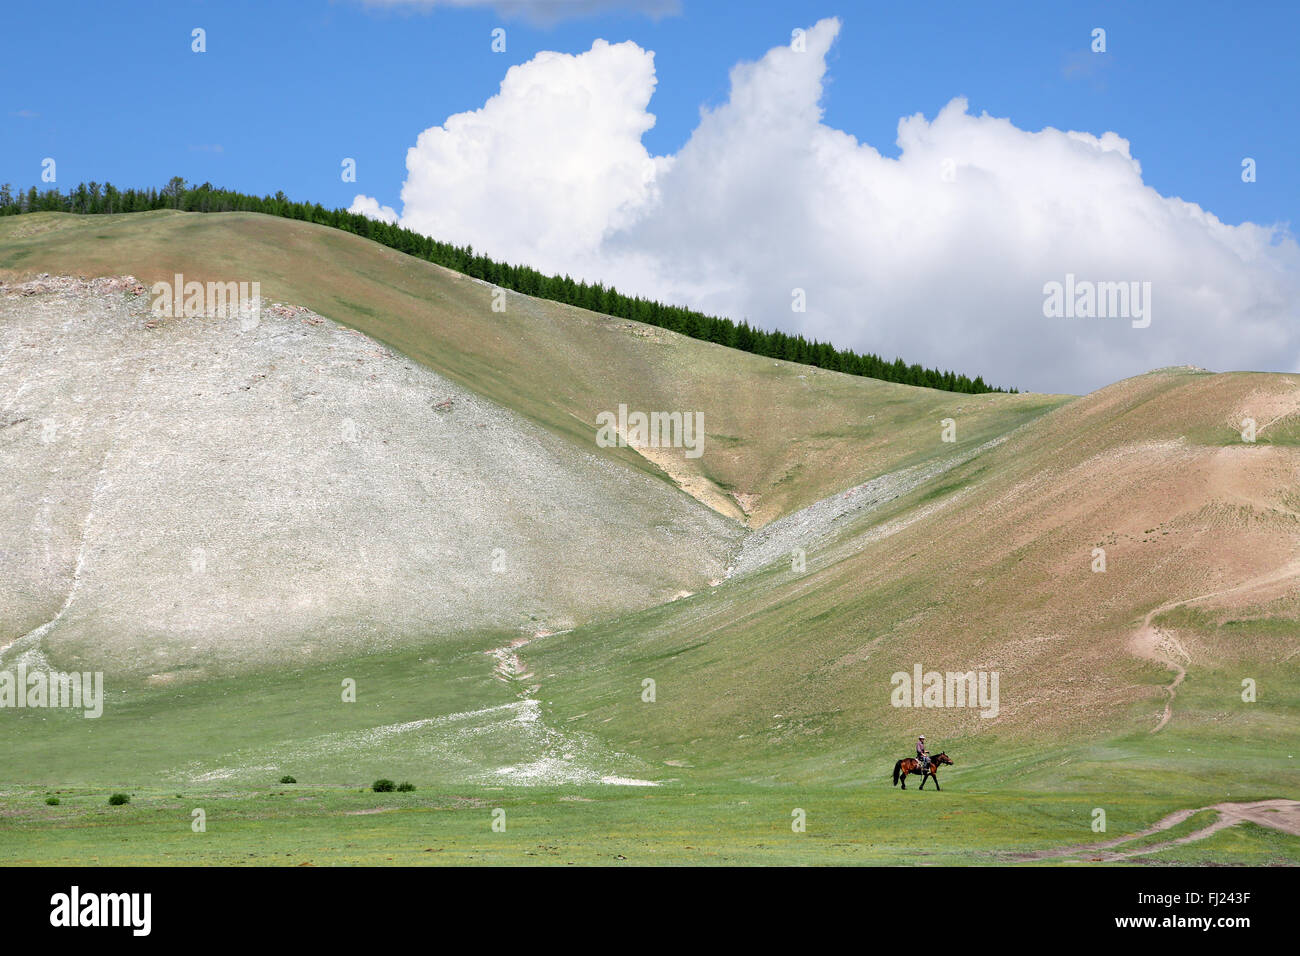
(661, 725)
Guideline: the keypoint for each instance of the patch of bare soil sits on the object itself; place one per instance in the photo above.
(672, 462)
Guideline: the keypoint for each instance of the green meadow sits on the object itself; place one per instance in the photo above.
(222, 746)
(745, 719)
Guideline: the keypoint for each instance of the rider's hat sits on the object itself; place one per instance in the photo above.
(922, 737)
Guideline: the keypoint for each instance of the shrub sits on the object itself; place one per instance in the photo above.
(405, 787)
(383, 785)
(117, 799)
(287, 779)
(52, 801)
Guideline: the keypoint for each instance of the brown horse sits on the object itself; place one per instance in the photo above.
(912, 765)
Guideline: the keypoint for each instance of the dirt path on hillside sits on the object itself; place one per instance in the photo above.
(28, 646)
(1160, 646)
(509, 668)
(1156, 644)
(1281, 815)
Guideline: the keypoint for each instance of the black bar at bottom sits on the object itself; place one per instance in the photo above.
(369, 906)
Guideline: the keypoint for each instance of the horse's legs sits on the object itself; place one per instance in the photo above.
(936, 782)
(904, 779)
(924, 777)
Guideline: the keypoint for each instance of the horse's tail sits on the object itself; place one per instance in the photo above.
(896, 768)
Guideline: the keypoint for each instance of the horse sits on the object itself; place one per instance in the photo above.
(912, 765)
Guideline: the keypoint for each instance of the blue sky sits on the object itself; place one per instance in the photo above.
(764, 171)
(287, 89)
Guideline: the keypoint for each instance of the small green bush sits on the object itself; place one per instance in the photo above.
(405, 787)
(287, 779)
(383, 785)
(117, 799)
(52, 801)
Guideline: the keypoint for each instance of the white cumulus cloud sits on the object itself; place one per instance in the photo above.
(940, 255)
(548, 167)
(367, 206)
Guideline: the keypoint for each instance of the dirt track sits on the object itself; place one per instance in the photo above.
(1159, 645)
(1282, 815)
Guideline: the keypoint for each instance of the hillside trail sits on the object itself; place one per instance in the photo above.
(510, 743)
(27, 647)
(1156, 644)
(510, 668)
(1281, 815)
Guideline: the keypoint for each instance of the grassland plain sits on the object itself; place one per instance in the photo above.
(222, 747)
(772, 687)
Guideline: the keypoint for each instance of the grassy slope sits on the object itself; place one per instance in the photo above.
(782, 676)
(790, 433)
(772, 690)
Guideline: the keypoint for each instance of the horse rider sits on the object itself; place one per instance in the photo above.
(922, 754)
